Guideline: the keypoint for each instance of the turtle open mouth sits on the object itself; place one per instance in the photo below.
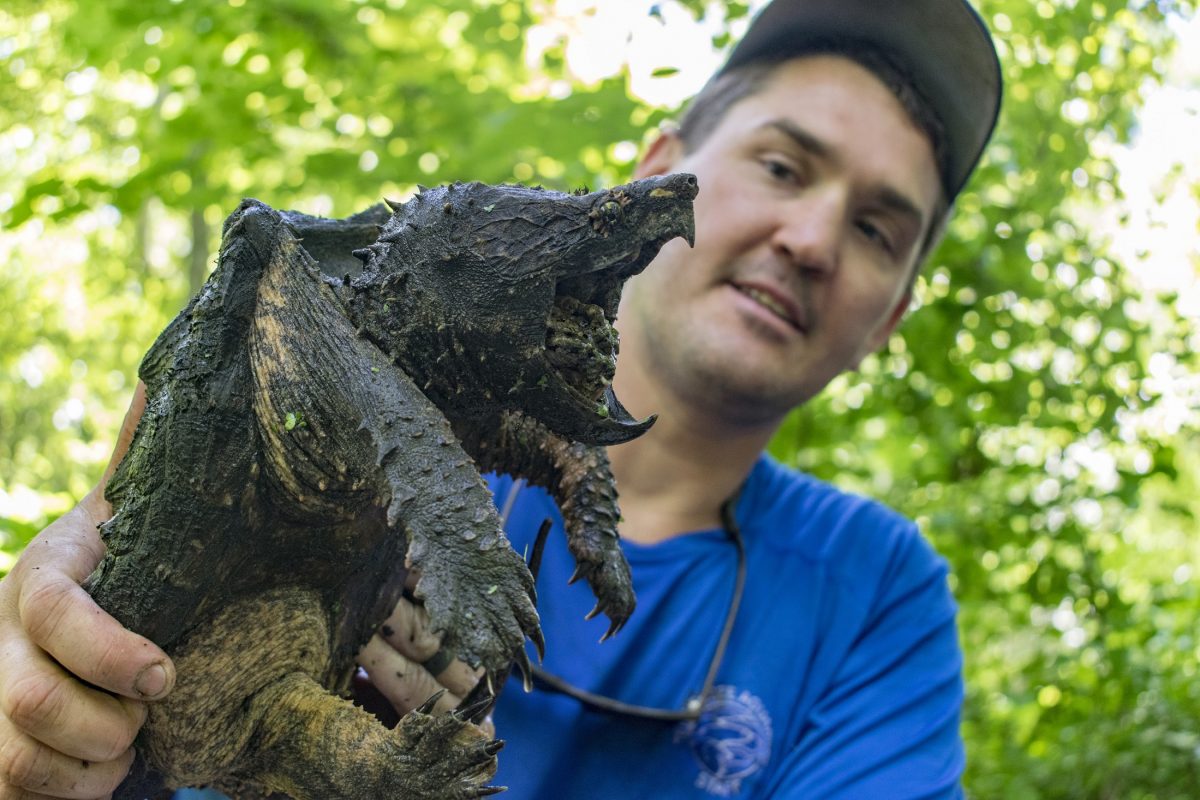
(581, 342)
(625, 229)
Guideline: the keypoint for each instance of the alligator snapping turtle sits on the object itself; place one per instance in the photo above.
(309, 439)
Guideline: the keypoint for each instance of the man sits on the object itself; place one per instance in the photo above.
(812, 630)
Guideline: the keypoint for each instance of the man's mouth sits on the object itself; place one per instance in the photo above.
(783, 309)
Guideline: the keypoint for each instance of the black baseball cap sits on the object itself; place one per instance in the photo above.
(944, 45)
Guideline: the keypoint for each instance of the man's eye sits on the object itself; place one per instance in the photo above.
(779, 170)
(875, 235)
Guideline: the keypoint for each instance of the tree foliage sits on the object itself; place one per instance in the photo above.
(1038, 415)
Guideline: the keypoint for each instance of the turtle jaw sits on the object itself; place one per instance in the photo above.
(582, 343)
(564, 372)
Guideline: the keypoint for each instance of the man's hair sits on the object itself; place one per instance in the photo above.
(706, 110)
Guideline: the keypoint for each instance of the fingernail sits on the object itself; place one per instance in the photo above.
(151, 682)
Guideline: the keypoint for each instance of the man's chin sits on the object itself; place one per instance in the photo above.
(735, 384)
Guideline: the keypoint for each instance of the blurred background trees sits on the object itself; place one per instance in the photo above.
(1039, 416)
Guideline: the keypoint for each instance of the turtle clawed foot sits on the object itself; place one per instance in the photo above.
(446, 755)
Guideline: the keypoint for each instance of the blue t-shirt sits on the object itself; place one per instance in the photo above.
(842, 678)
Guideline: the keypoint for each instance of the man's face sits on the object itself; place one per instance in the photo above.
(815, 195)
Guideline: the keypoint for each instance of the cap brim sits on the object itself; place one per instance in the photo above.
(943, 43)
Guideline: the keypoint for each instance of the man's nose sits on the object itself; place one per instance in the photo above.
(809, 233)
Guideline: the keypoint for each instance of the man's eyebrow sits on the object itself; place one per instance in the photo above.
(802, 137)
(887, 196)
(900, 204)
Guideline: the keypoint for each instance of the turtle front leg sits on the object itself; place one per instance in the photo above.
(478, 591)
(580, 480)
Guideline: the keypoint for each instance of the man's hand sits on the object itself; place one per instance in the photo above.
(407, 666)
(62, 734)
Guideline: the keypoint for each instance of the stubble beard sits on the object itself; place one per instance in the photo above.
(708, 376)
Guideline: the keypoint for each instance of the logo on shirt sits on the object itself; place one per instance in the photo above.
(731, 740)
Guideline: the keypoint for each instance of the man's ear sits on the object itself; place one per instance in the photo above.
(661, 156)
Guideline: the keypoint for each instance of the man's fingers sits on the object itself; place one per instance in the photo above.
(405, 683)
(488, 727)
(43, 610)
(42, 701)
(62, 619)
(30, 769)
(60, 737)
(408, 630)
(458, 677)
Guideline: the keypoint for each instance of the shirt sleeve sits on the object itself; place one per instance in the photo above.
(888, 725)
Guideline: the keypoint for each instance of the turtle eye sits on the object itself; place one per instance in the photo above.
(605, 215)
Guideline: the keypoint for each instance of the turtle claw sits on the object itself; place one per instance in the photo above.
(522, 663)
(428, 706)
(475, 709)
(539, 641)
(613, 628)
